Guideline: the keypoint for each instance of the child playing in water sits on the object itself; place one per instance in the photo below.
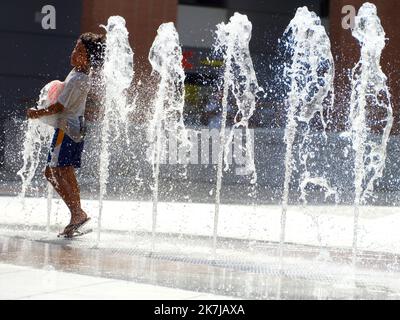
(67, 145)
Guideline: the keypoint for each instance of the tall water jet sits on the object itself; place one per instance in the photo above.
(240, 81)
(166, 60)
(118, 75)
(37, 139)
(309, 79)
(370, 95)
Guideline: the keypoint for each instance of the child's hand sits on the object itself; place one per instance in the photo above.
(32, 113)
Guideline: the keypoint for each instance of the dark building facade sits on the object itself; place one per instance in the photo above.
(346, 53)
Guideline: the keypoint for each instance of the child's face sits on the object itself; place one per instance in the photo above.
(79, 56)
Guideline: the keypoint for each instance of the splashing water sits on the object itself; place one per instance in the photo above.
(239, 80)
(166, 60)
(370, 94)
(309, 77)
(37, 138)
(118, 74)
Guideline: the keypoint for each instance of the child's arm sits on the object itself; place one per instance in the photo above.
(53, 109)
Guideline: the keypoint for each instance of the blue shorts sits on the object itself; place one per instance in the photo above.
(64, 151)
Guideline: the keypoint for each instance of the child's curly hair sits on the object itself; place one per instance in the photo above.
(95, 47)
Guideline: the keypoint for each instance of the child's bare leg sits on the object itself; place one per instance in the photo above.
(70, 178)
(55, 178)
(65, 183)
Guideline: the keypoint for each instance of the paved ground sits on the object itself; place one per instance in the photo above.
(28, 283)
(55, 270)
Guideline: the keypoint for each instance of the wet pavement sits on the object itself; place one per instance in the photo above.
(300, 277)
(27, 283)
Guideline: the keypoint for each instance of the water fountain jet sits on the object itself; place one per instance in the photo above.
(369, 93)
(240, 81)
(166, 60)
(309, 79)
(36, 139)
(118, 75)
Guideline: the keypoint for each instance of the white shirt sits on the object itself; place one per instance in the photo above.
(73, 98)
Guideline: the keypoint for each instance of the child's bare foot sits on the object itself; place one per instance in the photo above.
(76, 221)
(78, 217)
